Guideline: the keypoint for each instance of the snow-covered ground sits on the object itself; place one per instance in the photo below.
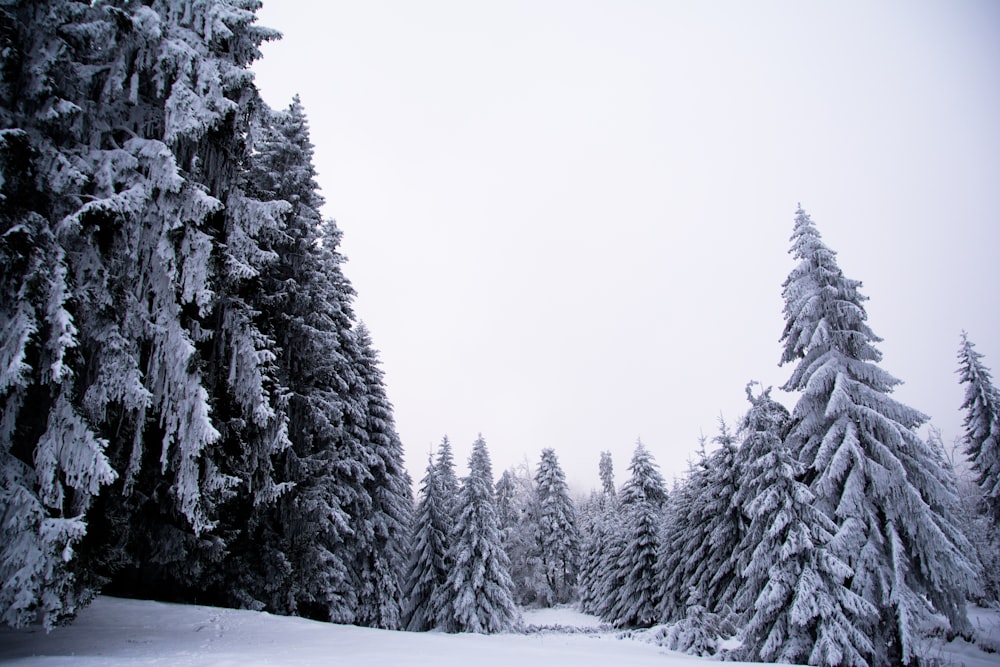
(128, 632)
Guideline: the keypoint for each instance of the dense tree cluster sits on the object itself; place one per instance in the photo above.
(829, 534)
(190, 410)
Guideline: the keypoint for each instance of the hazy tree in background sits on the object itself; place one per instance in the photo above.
(869, 470)
(607, 472)
(476, 596)
(982, 425)
(517, 510)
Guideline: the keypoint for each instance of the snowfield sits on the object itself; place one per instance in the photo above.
(114, 631)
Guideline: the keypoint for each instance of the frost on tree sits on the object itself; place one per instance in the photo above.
(427, 569)
(869, 470)
(982, 425)
(476, 596)
(632, 599)
(716, 529)
(794, 593)
(53, 458)
(681, 536)
(517, 514)
(556, 530)
(381, 533)
(598, 519)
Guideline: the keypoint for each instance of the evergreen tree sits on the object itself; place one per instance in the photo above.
(607, 472)
(476, 595)
(871, 474)
(709, 568)
(427, 570)
(982, 425)
(293, 557)
(598, 531)
(446, 475)
(517, 512)
(180, 330)
(556, 531)
(763, 428)
(634, 600)
(119, 183)
(382, 554)
(798, 605)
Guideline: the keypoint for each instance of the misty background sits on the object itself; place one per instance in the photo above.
(568, 222)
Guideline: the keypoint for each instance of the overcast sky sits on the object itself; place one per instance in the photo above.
(568, 222)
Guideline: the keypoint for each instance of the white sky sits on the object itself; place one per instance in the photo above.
(568, 221)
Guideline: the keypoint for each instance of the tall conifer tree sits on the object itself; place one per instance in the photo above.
(556, 529)
(982, 425)
(871, 473)
(476, 596)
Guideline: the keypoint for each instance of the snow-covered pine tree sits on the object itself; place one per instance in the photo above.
(446, 475)
(606, 468)
(381, 535)
(681, 536)
(53, 453)
(708, 567)
(797, 601)
(292, 557)
(762, 429)
(162, 264)
(634, 598)
(476, 596)
(556, 532)
(870, 471)
(982, 425)
(516, 514)
(599, 528)
(427, 569)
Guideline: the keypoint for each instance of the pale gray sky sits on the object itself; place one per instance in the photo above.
(568, 221)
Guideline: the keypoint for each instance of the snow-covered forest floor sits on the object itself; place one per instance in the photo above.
(129, 632)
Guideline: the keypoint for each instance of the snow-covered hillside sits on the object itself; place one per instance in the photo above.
(129, 632)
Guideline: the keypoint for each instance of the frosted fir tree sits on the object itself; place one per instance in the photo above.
(608, 543)
(700, 631)
(709, 568)
(869, 470)
(634, 599)
(762, 429)
(599, 513)
(476, 596)
(156, 162)
(683, 533)
(795, 592)
(427, 569)
(517, 511)
(295, 559)
(381, 551)
(556, 531)
(446, 477)
(982, 425)
(54, 458)
(606, 469)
